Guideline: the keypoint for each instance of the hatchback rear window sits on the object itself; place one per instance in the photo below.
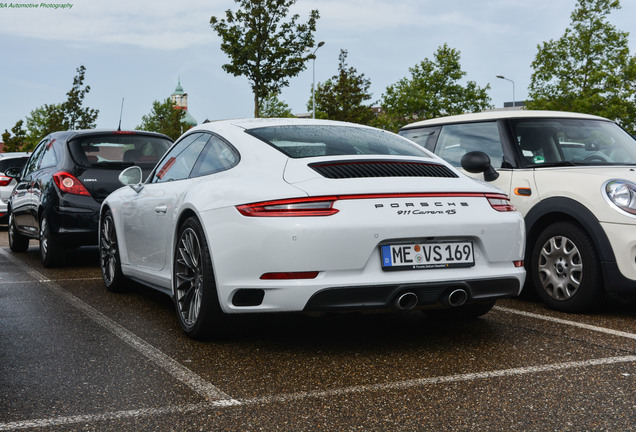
(18, 162)
(132, 149)
(300, 141)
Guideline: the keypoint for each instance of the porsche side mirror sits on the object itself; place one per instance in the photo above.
(132, 177)
(479, 162)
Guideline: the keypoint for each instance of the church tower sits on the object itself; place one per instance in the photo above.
(180, 99)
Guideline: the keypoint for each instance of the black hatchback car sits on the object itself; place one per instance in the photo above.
(61, 187)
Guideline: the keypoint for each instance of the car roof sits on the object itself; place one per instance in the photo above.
(251, 123)
(13, 155)
(86, 132)
(504, 114)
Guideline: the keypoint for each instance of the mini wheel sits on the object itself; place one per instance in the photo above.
(565, 269)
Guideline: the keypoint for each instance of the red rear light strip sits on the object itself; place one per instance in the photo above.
(290, 275)
(323, 206)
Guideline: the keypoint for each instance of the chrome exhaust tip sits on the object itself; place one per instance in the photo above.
(457, 298)
(406, 301)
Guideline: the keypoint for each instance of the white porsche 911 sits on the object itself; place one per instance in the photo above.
(289, 215)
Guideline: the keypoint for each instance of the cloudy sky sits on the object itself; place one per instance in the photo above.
(139, 49)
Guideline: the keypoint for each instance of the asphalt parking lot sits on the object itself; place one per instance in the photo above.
(75, 357)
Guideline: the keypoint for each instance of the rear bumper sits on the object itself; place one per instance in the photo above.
(75, 226)
(430, 295)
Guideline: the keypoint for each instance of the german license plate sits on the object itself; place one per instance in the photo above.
(415, 256)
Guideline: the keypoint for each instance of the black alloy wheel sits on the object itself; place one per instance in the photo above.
(17, 241)
(50, 251)
(194, 288)
(109, 261)
(565, 269)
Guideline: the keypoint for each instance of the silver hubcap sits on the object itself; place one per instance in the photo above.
(10, 232)
(44, 241)
(188, 277)
(560, 268)
(108, 249)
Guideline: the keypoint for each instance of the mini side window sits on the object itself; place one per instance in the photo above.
(457, 140)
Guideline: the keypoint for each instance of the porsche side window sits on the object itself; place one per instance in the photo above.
(216, 157)
(179, 161)
(457, 140)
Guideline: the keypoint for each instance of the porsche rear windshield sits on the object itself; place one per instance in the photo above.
(131, 149)
(301, 141)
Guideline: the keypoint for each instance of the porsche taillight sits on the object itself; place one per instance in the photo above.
(500, 202)
(319, 206)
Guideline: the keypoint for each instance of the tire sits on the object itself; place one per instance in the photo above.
(17, 241)
(109, 261)
(464, 312)
(194, 289)
(50, 251)
(565, 269)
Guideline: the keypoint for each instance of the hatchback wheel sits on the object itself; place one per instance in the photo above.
(17, 241)
(109, 255)
(50, 251)
(565, 268)
(194, 288)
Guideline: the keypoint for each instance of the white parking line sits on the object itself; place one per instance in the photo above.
(15, 282)
(400, 385)
(174, 368)
(567, 322)
(216, 399)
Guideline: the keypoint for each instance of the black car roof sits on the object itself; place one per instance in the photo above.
(66, 135)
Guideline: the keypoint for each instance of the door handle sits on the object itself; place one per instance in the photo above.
(161, 209)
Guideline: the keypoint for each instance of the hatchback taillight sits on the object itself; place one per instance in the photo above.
(69, 183)
(4, 180)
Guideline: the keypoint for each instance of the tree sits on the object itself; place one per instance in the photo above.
(589, 69)
(433, 90)
(67, 115)
(76, 116)
(17, 142)
(341, 97)
(166, 119)
(271, 106)
(44, 120)
(262, 48)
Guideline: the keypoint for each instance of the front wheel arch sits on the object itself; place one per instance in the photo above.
(556, 209)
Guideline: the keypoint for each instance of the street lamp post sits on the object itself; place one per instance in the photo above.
(313, 83)
(514, 104)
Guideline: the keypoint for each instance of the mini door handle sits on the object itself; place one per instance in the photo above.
(161, 209)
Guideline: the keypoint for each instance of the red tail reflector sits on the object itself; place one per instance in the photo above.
(68, 183)
(290, 275)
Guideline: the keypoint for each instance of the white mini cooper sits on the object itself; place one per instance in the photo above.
(572, 176)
